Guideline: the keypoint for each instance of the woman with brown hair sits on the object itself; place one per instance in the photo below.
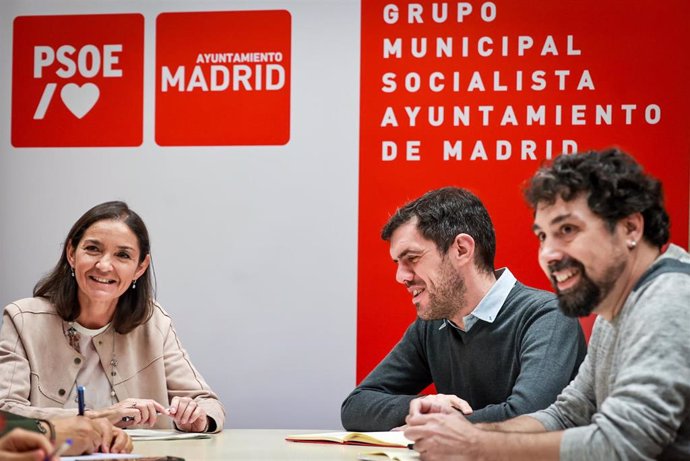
(93, 322)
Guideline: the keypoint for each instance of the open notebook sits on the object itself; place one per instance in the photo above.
(381, 439)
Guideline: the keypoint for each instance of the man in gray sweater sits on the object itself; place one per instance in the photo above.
(493, 348)
(603, 230)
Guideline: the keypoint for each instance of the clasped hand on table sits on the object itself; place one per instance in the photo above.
(185, 412)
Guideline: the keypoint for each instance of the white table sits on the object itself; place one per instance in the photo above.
(254, 444)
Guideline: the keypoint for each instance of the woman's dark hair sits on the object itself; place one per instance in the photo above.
(135, 306)
(615, 186)
(444, 213)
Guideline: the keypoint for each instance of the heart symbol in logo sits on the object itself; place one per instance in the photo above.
(80, 99)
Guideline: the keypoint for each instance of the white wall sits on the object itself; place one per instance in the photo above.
(254, 247)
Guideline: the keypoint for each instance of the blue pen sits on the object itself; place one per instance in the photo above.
(80, 399)
(59, 451)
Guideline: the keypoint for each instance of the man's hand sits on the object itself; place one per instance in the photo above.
(439, 403)
(443, 436)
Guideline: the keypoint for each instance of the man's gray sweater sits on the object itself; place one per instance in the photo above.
(631, 398)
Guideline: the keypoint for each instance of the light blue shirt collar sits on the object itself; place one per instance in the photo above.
(490, 305)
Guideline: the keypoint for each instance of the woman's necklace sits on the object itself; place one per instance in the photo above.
(113, 365)
(74, 336)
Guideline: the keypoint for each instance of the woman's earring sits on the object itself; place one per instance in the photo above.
(134, 284)
(72, 271)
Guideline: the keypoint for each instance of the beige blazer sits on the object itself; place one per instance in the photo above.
(38, 367)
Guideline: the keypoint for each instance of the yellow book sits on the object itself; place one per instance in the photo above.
(379, 439)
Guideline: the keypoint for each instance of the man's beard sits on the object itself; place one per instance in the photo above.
(581, 299)
(448, 297)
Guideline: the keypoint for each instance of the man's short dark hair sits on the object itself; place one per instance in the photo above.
(444, 213)
(615, 185)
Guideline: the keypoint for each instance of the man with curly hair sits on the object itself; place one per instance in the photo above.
(603, 234)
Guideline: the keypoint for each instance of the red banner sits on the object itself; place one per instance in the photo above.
(480, 94)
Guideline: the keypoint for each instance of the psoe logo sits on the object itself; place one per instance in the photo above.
(223, 78)
(77, 80)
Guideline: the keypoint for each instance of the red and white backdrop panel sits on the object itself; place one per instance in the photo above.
(480, 94)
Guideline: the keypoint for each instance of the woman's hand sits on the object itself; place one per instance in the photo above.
(20, 445)
(131, 412)
(121, 442)
(188, 415)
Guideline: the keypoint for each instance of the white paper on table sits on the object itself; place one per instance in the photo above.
(157, 434)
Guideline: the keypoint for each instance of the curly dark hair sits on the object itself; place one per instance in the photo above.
(444, 213)
(615, 184)
(134, 307)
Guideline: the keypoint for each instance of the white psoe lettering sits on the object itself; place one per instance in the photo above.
(88, 60)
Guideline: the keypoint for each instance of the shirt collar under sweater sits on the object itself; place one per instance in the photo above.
(490, 305)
